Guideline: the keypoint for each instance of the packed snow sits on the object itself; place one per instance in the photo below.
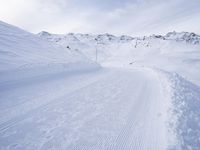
(83, 91)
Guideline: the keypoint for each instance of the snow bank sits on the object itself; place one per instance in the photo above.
(186, 102)
(183, 113)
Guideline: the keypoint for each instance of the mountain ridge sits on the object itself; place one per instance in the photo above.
(187, 37)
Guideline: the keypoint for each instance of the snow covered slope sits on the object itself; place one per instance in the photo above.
(175, 57)
(23, 54)
(20, 49)
(52, 96)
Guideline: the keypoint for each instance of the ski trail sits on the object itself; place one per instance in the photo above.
(140, 131)
(119, 109)
(34, 95)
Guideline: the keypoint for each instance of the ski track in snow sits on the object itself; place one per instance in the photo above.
(109, 109)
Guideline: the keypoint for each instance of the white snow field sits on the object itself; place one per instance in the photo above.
(146, 95)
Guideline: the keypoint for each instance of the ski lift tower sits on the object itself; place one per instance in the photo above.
(96, 50)
(98, 43)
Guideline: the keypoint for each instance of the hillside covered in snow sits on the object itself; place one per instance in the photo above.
(82, 91)
(24, 54)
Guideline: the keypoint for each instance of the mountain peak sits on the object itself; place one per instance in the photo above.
(188, 37)
(44, 33)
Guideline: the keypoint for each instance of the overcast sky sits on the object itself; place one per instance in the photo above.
(132, 17)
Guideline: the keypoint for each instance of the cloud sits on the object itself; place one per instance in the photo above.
(133, 17)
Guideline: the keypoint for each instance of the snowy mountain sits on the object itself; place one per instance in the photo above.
(55, 95)
(183, 36)
(173, 48)
(85, 41)
(186, 37)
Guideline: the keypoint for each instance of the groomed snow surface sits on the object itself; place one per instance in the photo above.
(53, 96)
